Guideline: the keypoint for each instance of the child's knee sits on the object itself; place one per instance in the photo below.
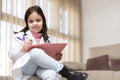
(36, 52)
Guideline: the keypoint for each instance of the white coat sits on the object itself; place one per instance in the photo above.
(19, 59)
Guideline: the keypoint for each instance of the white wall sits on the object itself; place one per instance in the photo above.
(100, 23)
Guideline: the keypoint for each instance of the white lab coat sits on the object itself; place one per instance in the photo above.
(19, 59)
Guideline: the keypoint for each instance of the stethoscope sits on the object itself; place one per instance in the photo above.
(25, 36)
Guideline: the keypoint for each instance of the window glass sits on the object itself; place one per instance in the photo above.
(9, 6)
(19, 8)
(63, 21)
(4, 6)
(15, 9)
(6, 31)
(5, 41)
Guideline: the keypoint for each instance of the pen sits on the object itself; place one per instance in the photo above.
(20, 39)
(23, 39)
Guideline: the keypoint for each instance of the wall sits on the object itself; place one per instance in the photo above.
(100, 23)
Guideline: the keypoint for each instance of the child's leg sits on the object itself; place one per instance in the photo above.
(43, 60)
(46, 74)
(23, 66)
(29, 68)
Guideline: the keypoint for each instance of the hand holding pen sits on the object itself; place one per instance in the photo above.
(26, 45)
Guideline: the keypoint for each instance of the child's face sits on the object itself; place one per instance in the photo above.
(35, 22)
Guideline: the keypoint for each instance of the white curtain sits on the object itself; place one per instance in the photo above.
(63, 20)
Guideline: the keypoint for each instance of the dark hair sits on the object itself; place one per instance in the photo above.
(37, 9)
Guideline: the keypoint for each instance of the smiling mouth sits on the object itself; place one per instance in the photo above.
(35, 27)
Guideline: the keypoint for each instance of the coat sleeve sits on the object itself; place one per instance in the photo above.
(15, 49)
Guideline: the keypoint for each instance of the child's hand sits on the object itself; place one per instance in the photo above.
(26, 45)
(59, 56)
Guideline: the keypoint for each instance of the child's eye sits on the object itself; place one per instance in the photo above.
(38, 20)
(30, 21)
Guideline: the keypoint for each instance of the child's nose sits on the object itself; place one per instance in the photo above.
(35, 23)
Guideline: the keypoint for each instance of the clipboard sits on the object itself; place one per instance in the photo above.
(51, 49)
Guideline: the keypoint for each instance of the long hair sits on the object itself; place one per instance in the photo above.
(37, 9)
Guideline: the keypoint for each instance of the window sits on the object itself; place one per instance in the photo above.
(63, 21)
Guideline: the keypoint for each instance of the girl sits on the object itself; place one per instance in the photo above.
(36, 61)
